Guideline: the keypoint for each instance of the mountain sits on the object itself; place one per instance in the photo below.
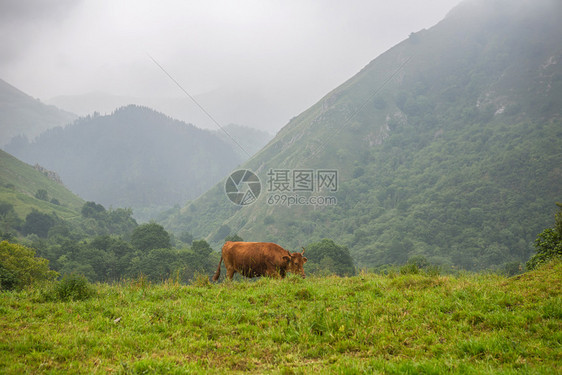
(20, 184)
(134, 157)
(447, 146)
(20, 114)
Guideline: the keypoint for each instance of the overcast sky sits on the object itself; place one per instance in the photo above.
(272, 59)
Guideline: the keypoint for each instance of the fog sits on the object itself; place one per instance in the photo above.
(254, 63)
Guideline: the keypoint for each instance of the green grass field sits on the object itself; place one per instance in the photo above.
(395, 323)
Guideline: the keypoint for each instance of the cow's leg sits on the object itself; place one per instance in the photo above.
(230, 273)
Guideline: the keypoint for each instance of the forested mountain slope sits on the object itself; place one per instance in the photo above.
(135, 157)
(449, 145)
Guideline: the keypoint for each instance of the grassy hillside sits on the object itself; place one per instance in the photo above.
(19, 182)
(21, 114)
(395, 324)
(446, 146)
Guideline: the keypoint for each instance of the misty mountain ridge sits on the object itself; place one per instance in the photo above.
(447, 147)
(20, 114)
(246, 107)
(135, 157)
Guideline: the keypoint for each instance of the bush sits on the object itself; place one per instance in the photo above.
(326, 257)
(548, 243)
(19, 267)
(72, 287)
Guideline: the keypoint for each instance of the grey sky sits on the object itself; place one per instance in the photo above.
(258, 63)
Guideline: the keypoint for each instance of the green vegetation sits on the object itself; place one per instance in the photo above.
(19, 267)
(396, 323)
(71, 288)
(108, 245)
(548, 243)
(150, 236)
(85, 238)
(326, 257)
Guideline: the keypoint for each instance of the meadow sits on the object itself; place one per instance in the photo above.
(403, 322)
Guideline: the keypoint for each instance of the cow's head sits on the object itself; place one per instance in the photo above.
(296, 264)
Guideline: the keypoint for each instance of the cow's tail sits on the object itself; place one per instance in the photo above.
(218, 273)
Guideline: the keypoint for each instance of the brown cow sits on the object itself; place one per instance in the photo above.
(253, 259)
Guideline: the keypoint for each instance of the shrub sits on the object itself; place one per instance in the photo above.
(326, 257)
(19, 267)
(548, 243)
(72, 287)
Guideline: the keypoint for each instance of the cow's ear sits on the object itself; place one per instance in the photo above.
(286, 258)
(304, 258)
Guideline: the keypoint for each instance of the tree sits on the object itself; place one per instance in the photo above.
(42, 194)
(234, 238)
(150, 236)
(9, 220)
(38, 223)
(19, 267)
(93, 209)
(548, 243)
(326, 256)
(201, 247)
